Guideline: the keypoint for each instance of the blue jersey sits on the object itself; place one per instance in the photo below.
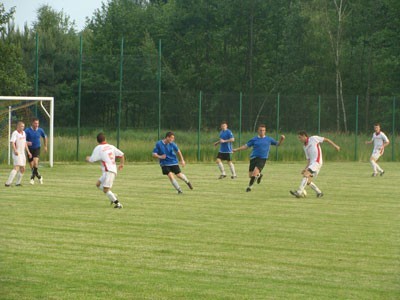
(261, 146)
(33, 136)
(170, 150)
(225, 147)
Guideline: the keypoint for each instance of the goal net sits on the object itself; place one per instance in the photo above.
(14, 109)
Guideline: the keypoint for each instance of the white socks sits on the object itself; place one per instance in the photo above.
(302, 185)
(19, 177)
(111, 196)
(184, 178)
(11, 177)
(221, 168)
(315, 188)
(176, 184)
(232, 167)
(375, 166)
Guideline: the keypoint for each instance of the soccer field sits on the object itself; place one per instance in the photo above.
(62, 240)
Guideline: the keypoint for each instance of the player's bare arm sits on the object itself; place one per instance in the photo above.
(121, 163)
(163, 156)
(281, 140)
(244, 147)
(45, 144)
(183, 163)
(27, 150)
(332, 144)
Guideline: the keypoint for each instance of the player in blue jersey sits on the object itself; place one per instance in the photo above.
(165, 150)
(261, 145)
(225, 150)
(33, 135)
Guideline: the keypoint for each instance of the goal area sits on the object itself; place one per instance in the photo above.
(22, 108)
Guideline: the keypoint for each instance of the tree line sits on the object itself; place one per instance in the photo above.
(299, 49)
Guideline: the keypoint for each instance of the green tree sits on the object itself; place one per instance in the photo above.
(13, 77)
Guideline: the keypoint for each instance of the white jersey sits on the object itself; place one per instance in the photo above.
(379, 139)
(106, 154)
(19, 140)
(312, 149)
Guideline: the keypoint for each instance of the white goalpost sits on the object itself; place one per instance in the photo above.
(6, 102)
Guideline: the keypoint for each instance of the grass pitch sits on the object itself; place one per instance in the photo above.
(62, 240)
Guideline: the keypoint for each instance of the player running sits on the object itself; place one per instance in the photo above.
(225, 150)
(33, 135)
(259, 155)
(19, 146)
(312, 149)
(380, 141)
(165, 150)
(106, 154)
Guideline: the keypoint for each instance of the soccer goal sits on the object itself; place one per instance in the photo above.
(14, 109)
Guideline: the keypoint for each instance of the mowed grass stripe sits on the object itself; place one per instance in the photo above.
(62, 240)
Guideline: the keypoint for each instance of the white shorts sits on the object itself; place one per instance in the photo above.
(315, 168)
(377, 153)
(107, 179)
(19, 160)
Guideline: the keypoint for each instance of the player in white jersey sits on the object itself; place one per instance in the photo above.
(106, 154)
(19, 146)
(312, 149)
(380, 141)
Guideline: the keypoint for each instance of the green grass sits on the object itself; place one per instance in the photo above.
(62, 240)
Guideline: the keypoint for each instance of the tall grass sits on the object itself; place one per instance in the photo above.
(138, 145)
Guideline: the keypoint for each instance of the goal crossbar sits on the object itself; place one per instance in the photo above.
(50, 115)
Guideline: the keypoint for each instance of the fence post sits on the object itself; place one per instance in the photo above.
(78, 133)
(277, 124)
(240, 121)
(319, 114)
(121, 66)
(198, 132)
(37, 72)
(159, 88)
(393, 128)
(356, 133)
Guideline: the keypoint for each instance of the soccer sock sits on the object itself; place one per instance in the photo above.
(378, 167)
(19, 177)
(302, 185)
(252, 179)
(184, 178)
(111, 196)
(221, 168)
(232, 167)
(175, 184)
(374, 165)
(11, 177)
(315, 188)
(33, 174)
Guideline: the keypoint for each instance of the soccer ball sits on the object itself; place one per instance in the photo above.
(304, 194)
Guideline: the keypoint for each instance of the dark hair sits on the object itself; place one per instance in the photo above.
(101, 138)
(303, 133)
(224, 122)
(35, 119)
(377, 124)
(262, 125)
(169, 133)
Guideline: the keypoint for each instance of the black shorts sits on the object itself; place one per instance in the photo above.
(224, 156)
(167, 169)
(34, 152)
(257, 162)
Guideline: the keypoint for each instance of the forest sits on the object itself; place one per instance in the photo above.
(157, 57)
